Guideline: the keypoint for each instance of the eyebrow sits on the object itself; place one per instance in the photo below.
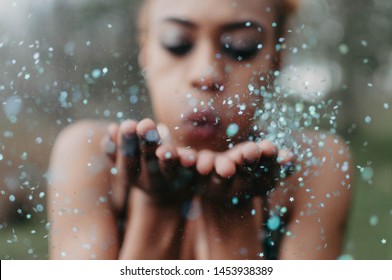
(227, 27)
(181, 21)
(243, 24)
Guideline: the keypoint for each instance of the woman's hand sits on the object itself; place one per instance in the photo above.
(154, 179)
(166, 173)
(249, 169)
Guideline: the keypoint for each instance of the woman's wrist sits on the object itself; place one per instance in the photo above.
(154, 231)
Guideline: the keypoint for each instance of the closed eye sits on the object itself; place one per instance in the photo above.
(241, 53)
(180, 49)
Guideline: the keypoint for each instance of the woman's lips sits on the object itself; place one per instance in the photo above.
(201, 124)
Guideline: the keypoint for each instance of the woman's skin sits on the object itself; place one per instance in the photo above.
(199, 62)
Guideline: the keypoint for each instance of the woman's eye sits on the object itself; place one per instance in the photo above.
(241, 53)
(180, 49)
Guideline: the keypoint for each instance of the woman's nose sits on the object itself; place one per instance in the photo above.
(207, 70)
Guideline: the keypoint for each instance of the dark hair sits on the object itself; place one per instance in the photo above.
(285, 8)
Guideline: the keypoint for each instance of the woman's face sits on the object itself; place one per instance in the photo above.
(201, 58)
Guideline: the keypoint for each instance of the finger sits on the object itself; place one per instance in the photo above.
(243, 186)
(180, 176)
(188, 157)
(205, 162)
(109, 141)
(126, 168)
(268, 157)
(250, 154)
(219, 180)
(286, 159)
(149, 138)
(168, 159)
(128, 156)
(149, 142)
(224, 166)
(268, 148)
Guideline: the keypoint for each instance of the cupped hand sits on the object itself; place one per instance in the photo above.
(140, 158)
(249, 169)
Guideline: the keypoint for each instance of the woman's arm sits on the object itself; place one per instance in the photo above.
(83, 224)
(320, 203)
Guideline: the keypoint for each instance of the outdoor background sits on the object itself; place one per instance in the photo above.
(62, 61)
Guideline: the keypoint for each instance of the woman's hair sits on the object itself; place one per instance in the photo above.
(284, 8)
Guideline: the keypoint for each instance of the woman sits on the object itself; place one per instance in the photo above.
(201, 183)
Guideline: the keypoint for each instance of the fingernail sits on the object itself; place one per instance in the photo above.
(152, 137)
(130, 145)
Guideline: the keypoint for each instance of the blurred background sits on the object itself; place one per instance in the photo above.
(62, 61)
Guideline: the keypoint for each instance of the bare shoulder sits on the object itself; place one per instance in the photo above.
(82, 133)
(320, 197)
(82, 220)
(325, 162)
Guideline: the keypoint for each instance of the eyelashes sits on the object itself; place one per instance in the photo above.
(180, 49)
(235, 53)
(240, 53)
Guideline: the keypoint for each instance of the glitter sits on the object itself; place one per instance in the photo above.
(386, 106)
(40, 208)
(370, 85)
(253, 212)
(38, 140)
(367, 173)
(373, 220)
(248, 23)
(11, 198)
(273, 223)
(152, 136)
(345, 166)
(96, 73)
(343, 48)
(368, 119)
(168, 155)
(291, 199)
(41, 195)
(114, 171)
(234, 201)
(345, 257)
(1, 157)
(13, 106)
(383, 241)
(232, 130)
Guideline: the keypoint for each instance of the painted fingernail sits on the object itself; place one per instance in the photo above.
(130, 145)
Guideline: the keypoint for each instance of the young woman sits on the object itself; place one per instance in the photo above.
(199, 182)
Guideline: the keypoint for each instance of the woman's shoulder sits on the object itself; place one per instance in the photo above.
(78, 143)
(81, 133)
(323, 144)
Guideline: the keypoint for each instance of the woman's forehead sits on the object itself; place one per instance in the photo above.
(220, 11)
